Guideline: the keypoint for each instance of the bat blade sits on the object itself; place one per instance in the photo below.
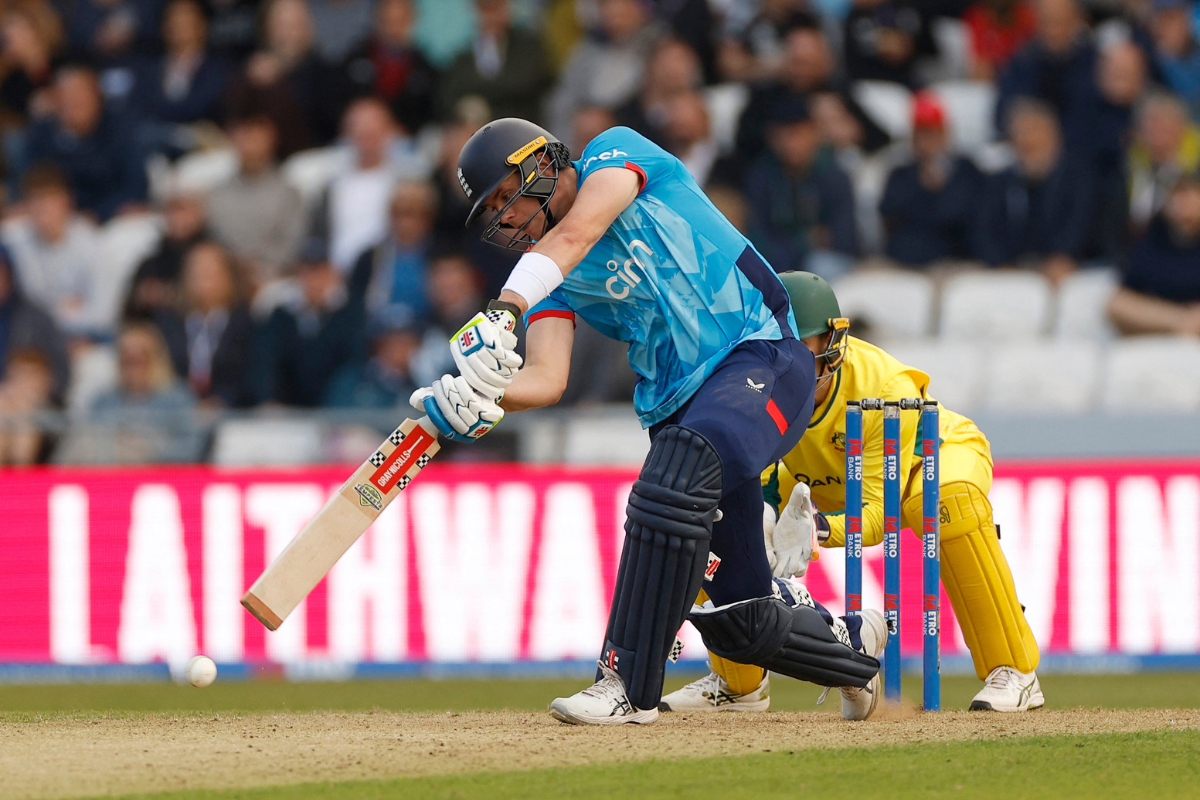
(340, 522)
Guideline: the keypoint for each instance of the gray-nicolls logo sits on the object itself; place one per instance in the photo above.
(463, 182)
(758, 387)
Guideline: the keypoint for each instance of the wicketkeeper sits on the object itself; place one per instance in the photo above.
(625, 239)
(810, 477)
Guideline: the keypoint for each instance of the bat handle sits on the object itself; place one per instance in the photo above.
(426, 423)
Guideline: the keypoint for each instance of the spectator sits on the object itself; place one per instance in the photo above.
(25, 392)
(149, 412)
(32, 36)
(91, 145)
(1038, 212)
(1160, 291)
(454, 288)
(390, 67)
(155, 283)
(1058, 68)
(1167, 146)
(385, 381)
(453, 204)
(1121, 81)
(506, 66)
(929, 204)
(751, 42)
(352, 214)
(313, 334)
(232, 28)
(689, 136)
(184, 84)
(800, 202)
(883, 40)
(341, 26)
(672, 71)
(107, 31)
(26, 326)
(808, 72)
(210, 336)
(1177, 53)
(392, 275)
(258, 215)
(289, 82)
(53, 248)
(590, 122)
(997, 29)
(606, 69)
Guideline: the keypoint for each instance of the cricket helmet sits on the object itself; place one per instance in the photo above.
(817, 311)
(498, 150)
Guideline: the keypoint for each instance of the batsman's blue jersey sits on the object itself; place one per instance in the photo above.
(671, 276)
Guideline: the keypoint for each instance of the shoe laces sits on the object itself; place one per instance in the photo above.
(609, 687)
(1002, 678)
(709, 685)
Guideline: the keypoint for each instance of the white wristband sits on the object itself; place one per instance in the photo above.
(534, 277)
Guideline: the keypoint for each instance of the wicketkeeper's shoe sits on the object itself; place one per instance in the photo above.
(712, 693)
(1008, 689)
(603, 703)
(859, 703)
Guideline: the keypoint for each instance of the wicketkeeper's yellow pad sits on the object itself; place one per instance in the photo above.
(978, 580)
(742, 678)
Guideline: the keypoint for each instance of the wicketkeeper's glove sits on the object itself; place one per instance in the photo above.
(792, 541)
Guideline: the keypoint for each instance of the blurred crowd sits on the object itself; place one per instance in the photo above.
(241, 203)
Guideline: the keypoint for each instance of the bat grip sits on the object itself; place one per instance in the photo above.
(426, 423)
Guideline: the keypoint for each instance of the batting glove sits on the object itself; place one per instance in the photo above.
(460, 413)
(484, 352)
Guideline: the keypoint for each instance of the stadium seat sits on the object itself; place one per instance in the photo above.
(725, 103)
(888, 104)
(1043, 376)
(203, 171)
(256, 442)
(93, 372)
(995, 305)
(310, 171)
(894, 304)
(969, 106)
(1083, 304)
(124, 242)
(1153, 373)
(955, 369)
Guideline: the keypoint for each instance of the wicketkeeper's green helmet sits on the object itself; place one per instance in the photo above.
(817, 311)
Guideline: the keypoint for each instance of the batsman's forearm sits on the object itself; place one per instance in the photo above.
(532, 388)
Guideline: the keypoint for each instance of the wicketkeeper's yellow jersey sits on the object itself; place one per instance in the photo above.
(820, 458)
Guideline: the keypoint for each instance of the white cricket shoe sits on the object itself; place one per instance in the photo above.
(858, 704)
(603, 703)
(712, 693)
(1009, 689)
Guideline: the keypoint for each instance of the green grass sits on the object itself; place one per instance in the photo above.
(1160, 690)
(1160, 765)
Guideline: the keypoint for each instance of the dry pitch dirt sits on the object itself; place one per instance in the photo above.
(83, 757)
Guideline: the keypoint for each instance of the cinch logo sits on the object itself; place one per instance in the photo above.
(625, 277)
(463, 182)
(614, 153)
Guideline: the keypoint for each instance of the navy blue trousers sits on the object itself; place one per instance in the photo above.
(753, 409)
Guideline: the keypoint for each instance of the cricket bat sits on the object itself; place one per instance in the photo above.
(347, 515)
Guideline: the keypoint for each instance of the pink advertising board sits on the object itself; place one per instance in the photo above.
(507, 563)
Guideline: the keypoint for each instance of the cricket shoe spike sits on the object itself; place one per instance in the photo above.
(603, 703)
(712, 693)
(858, 704)
(1009, 689)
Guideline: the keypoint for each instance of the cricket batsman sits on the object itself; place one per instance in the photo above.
(974, 569)
(625, 238)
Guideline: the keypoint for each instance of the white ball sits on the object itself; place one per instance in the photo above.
(200, 671)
